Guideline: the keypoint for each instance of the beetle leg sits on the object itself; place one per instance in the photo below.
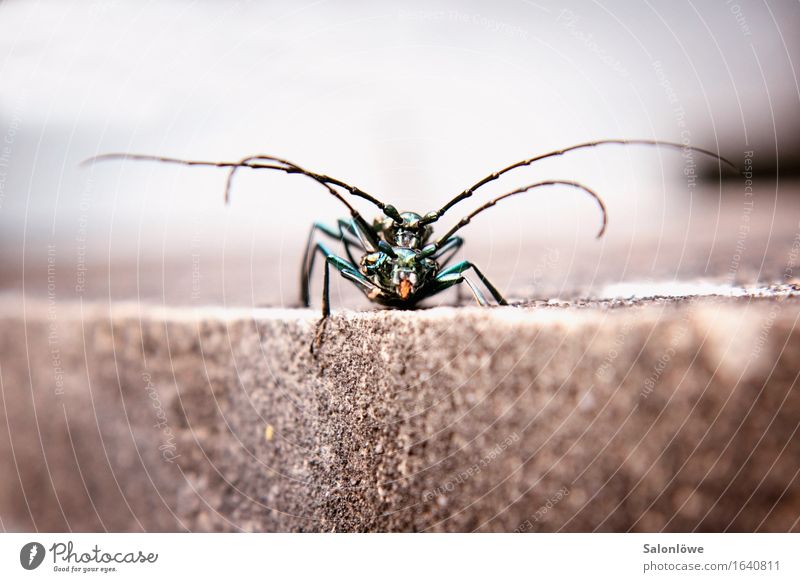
(459, 268)
(454, 280)
(445, 254)
(326, 309)
(350, 237)
(459, 296)
(346, 269)
(475, 292)
(370, 289)
(449, 248)
(346, 234)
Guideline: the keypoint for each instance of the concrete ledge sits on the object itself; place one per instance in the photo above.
(668, 416)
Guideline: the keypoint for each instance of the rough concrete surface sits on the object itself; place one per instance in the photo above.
(656, 415)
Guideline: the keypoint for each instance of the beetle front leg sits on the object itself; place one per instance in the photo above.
(345, 234)
(346, 269)
(458, 270)
(445, 254)
(448, 250)
(326, 308)
(443, 282)
(340, 264)
(459, 296)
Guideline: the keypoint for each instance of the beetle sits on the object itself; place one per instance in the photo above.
(398, 263)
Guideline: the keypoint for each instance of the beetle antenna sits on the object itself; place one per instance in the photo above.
(467, 219)
(434, 216)
(292, 168)
(278, 164)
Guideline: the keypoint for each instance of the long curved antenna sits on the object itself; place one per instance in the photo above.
(429, 249)
(434, 216)
(284, 166)
(279, 164)
(292, 168)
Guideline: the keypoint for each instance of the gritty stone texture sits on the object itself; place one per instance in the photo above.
(656, 415)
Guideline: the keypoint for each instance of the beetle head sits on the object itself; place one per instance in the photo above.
(407, 230)
(401, 270)
(409, 271)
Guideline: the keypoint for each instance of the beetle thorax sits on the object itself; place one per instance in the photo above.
(411, 233)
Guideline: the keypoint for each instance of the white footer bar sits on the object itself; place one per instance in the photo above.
(389, 557)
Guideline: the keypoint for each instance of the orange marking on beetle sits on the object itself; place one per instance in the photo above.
(405, 288)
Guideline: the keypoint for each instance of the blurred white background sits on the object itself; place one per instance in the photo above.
(410, 102)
